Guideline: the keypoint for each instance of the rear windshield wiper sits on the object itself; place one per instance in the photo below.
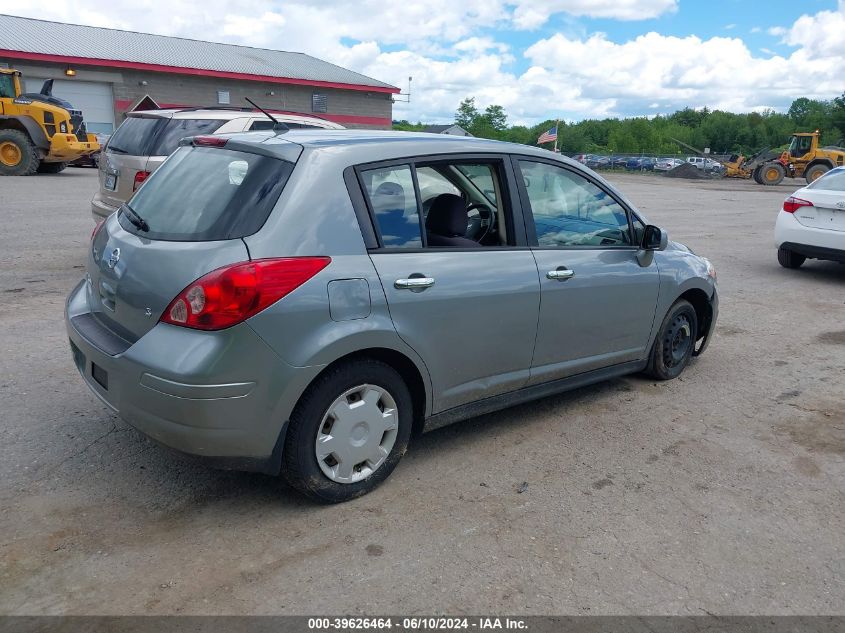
(134, 218)
(116, 150)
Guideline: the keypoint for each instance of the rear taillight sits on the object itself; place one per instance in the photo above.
(96, 228)
(792, 204)
(229, 295)
(140, 177)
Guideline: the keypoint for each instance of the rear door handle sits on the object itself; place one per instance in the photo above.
(561, 274)
(414, 283)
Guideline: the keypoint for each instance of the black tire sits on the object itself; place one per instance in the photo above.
(299, 466)
(27, 161)
(772, 174)
(675, 341)
(790, 259)
(815, 172)
(51, 168)
(756, 176)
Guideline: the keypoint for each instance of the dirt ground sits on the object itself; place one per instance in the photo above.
(720, 492)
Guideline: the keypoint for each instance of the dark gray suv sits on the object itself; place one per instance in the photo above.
(303, 303)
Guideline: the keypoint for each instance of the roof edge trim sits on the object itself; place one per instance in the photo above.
(181, 70)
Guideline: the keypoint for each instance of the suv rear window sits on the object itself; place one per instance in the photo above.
(203, 194)
(135, 135)
(175, 130)
(155, 136)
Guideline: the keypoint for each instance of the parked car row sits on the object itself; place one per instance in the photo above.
(646, 163)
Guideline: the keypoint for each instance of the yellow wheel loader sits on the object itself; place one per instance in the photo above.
(38, 132)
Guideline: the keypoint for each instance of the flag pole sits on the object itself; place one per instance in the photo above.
(557, 133)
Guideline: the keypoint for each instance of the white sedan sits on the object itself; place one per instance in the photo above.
(812, 222)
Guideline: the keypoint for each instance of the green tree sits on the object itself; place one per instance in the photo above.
(467, 114)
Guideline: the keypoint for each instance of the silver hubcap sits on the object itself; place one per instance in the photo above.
(357, 433)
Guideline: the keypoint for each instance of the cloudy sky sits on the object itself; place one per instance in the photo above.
(571, 59)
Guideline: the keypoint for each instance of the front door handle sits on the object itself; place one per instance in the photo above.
(561, 274)
(414, 283)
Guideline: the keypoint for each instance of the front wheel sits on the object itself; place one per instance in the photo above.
(348, 431)
(675, 341)
(772, 174)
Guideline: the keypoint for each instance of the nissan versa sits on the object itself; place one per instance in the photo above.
(303, 303)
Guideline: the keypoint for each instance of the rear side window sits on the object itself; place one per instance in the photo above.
(394, 204)
(831, 181)
(136, 135)
(176, 129)
(204, 194)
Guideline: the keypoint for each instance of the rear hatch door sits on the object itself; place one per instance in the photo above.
(195, 210)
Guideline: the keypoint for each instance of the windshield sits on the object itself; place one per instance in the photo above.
(832, 181)
(205, 194)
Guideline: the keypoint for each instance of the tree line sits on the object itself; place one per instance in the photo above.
(722, 132)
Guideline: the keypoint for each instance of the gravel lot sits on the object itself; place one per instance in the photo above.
(720, 492)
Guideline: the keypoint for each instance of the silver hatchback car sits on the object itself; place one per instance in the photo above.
(304, 303)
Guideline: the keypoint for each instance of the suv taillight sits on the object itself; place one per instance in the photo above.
(229, 295)
(140, 177)
(792, 204)
(96, 229)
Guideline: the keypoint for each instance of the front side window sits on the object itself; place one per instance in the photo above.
(7, 86)
(569, 210)
(394, 203)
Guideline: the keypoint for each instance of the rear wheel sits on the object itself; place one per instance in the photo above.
(17, 154)
(675, 341)
(756, 175)
(790, 259)
(51, 168)
(348, 431)
(815, 172)
(772, 174)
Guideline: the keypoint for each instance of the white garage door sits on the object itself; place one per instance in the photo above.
(93, 98)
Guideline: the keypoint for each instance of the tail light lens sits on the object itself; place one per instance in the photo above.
(96, 229)
(229, 295)
(792, 204)
(140, 177)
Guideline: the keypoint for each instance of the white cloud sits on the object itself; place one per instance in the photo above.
(459, 48)
(530, 14)
(755, 29)
(730, 27)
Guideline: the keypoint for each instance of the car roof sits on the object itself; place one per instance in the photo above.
(228, 114)
(374, 145)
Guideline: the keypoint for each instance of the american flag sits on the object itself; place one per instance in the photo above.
(548, 137)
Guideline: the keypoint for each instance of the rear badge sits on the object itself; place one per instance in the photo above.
(148, 312)
(114, 258)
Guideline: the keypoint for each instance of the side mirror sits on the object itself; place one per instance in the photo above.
(654, 239)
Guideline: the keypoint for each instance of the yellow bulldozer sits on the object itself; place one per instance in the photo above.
(38, 132)
(803, 158)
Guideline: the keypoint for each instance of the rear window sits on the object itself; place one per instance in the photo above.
(832, 181)
(175, 130)
(203, 194)
(135, 136)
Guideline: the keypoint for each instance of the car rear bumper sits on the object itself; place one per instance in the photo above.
(100, 209)
(807, 240)
(221, 395)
